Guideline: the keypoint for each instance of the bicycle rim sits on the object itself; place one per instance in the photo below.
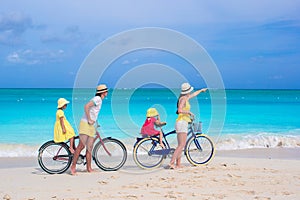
(142, 153)
(54, 158)
(199, 150)
(110, 157)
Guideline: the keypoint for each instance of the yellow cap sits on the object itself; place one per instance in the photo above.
(61, 102)
(151, 112)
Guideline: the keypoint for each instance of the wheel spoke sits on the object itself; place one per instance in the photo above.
(54, 158)
(199, 150)
(110, 155)
(143, 156)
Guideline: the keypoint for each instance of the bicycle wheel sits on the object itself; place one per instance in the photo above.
(54, 158)
(142, 153)
(111, 155)
(199, 149)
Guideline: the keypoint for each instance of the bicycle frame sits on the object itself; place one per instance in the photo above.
(63, 157)
(165, 151)
(60, 157)
(198, 149)
(168, 148)
(56, 158)
(98, 136)
(191, 131)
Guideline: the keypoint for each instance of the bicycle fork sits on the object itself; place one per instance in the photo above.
(197, 144)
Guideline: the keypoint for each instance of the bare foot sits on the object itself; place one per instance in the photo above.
(73, 170)
(90, 170)
(170, 166)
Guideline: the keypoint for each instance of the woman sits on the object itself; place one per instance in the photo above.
(87, 128)
(182, 121)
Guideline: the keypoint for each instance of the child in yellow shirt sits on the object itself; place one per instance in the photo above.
(62, 128)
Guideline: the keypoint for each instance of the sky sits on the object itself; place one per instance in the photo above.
(254, 44)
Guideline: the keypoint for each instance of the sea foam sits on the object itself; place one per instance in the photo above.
(18, 150)
(262, 140)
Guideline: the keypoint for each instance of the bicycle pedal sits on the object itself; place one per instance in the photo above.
(172, 150)
(80, 159)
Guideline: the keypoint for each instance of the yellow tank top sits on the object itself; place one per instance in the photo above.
(183, 116)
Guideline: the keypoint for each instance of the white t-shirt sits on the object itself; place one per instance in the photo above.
(94, 111)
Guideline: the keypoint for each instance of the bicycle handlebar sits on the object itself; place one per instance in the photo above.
(161, 124)
(97, 124)
(192, 117)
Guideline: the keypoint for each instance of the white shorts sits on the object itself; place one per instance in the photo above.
(181, 126)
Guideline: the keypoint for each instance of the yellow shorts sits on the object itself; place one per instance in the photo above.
(87, 129)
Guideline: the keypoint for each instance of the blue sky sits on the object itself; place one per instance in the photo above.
(255, 44)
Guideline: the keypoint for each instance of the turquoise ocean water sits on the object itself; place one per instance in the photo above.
(254, 118)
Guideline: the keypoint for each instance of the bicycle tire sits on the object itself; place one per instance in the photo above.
(199, 149)
(54, 158)
(111, 162)
(141, 154)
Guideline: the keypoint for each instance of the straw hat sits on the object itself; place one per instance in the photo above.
(186, 88)
(151, 112)
(101, 88)
(61, 102)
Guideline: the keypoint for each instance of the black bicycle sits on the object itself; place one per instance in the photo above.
(199, 148)
(109, 154)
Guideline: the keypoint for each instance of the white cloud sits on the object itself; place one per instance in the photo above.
(157, 12)
(125, 62)
(14, 58)
(12, 27)
(30, 57)
(257, 58)
(174, 12)
(71, 34)
(276, 77)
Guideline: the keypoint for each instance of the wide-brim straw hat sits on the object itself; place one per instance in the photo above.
(101, 88)
(61, 102)
(186, 88)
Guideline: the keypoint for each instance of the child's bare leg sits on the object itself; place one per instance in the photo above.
(72, 145)
(161, 140)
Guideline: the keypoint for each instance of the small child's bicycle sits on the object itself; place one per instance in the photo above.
(199, 148)
(109, 154)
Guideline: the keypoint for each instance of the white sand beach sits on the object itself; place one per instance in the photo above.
(244, 174)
